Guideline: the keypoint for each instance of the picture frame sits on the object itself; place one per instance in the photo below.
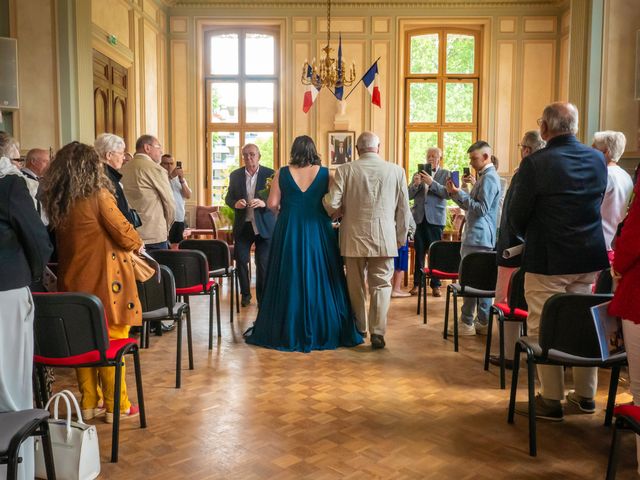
(341, 146)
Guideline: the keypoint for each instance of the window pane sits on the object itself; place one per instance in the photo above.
(423, 102)
(459, 102)
(419, 142)
(224, 54)
(455, 150)
(264, 141)
(460, 53)
(225, 148)
(260, 53)
(224, 102)
(259, 101)
(424, 53)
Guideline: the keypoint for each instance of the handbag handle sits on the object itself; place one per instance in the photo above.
(65, 395)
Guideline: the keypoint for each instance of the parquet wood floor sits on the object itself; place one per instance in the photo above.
(415, 410)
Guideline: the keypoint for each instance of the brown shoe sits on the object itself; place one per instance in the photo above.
(414, 291)
(436, 292)
(377, 341)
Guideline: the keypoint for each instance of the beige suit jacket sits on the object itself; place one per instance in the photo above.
(375, 204)
(146, 186)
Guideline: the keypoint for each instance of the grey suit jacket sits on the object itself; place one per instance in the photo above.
(434, 206)
(375, 203)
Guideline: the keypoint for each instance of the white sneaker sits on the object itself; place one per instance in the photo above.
(464, 330)
(481, 329)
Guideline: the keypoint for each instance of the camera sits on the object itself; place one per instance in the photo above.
(178, 164)
(466, 172)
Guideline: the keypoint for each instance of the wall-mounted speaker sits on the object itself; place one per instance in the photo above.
(8, 73)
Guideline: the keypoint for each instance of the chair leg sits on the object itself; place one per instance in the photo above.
(613, 388)
(487, 350)
(47, 451)
(179, 352)
(139, 391)
(446, 314)
(237, 280)
(455, 322)
(231, 286)
(514, 382)
(115, 432)
(531, 377)
(217, 294)
(12, 465)
(189, 341)
(612, 465)
(424, 295)
(419, 294)
(502, 359)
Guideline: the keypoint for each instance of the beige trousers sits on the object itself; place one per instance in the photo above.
(376, 272)
(538, 288)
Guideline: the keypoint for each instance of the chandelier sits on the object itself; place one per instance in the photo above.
(329, 72)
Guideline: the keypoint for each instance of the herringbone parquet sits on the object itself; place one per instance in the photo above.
(415, 410)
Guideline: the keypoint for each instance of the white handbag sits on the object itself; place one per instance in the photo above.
(76, 454)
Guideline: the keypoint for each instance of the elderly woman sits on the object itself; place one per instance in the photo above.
(111, 150)
(95, 258)
(24, 251)
(619, 184)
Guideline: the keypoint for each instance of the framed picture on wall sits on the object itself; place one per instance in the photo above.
(342, 147)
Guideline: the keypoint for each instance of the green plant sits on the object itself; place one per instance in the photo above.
(228, 214)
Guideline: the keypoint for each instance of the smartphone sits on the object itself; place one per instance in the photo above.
(178, 164)
(429, 169)
(422, 167)
(466, 172)
(455, 178)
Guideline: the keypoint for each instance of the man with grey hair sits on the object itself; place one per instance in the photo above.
(555, 207)
(619, 185)
(36, 165)
(429, 212)
(372, 195)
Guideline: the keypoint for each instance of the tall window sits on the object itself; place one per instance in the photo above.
(241, 81)
(441, 91)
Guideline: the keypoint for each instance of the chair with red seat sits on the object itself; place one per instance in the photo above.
(627, 418)
(71, 331)
(191, 272)
(443, 263)
(515, 310)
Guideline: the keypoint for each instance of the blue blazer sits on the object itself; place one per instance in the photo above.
(434, 207)
(481, 205)
(265, 219)
(555, 207)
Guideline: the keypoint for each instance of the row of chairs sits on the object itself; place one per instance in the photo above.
(567, 337)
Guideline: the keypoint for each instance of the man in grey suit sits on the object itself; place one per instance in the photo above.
(429, 197)
(373, 197)
(479, 235)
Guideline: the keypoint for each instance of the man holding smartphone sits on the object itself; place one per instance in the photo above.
(429, 212)
(181, 192)
(479, 235)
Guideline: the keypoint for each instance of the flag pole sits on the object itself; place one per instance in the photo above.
(354, 87)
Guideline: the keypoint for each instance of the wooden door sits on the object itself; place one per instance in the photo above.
(110, 94)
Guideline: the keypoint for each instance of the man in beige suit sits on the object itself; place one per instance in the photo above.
(146, 186)
(374, 200)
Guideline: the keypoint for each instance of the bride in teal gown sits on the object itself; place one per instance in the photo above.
(305, 305)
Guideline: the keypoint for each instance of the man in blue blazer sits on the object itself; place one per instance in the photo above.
(429, 212)
(479, 234)
(555, 207)
(253, 223)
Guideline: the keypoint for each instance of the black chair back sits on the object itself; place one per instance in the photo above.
(444, 256)
(154, 295)
(479, 270)
(68, 324)
(604, 282)
(566, 324)
(189, 267)
(216, 251)
(516, 290)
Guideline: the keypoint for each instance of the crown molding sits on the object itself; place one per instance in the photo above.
(365, 3)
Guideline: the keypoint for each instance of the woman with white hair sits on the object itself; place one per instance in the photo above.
(619, 184)
(111, 150)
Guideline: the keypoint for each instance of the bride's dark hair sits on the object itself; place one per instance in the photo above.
(303, 152)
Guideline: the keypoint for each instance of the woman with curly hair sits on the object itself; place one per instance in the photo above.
(95, 242)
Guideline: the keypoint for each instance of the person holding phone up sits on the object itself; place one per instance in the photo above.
(429, 212)
(181, 192)
(479, 235)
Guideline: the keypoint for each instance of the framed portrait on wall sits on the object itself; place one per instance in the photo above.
(342, 147)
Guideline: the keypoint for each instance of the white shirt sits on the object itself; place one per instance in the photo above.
(614, 204)
(250, 183)
(176, 188)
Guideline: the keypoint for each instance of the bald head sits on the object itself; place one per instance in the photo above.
(37, 161)
(559, 118)
(368, 142)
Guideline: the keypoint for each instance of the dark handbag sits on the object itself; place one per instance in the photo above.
(136, 221)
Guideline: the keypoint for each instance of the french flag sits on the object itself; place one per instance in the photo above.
(311, 93)
(369, 80)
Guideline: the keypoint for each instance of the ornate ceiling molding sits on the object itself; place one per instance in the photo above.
(366, 3)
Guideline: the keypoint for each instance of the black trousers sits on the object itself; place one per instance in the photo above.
(242, 251)
(426, 234)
